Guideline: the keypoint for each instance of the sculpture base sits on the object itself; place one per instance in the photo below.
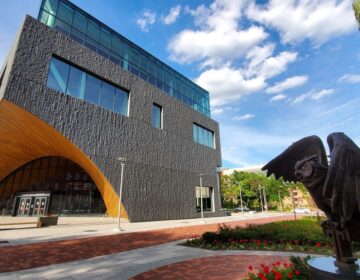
(324, 268)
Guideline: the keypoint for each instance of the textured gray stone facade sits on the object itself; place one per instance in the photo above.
(160, 175)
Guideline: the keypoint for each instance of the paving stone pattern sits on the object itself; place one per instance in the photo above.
(216, 267)
(46, 253)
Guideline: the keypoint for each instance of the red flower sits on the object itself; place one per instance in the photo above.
(290, 275)
(260, 275)
(318, 244)
(250, 267)
(297, 272)
(278, 263)
(278, 276)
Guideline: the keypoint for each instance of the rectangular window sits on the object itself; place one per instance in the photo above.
(107, 96)
(79, 84)
(121, 102)
(157, 116)
(79, 22)
(65, 13)
(76, 83)
(206, 193)
(203, 136)
(58, 75)
(92, 92)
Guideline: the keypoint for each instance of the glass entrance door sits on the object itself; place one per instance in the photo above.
(24, 206)
(40, 206)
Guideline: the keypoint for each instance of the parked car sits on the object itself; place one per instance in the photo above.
(243, 209)
(302, 210)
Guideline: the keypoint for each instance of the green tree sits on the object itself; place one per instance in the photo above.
(356, 7)
(250, 184)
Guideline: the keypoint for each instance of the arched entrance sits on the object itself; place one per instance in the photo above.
(50, 185)
(25, 138)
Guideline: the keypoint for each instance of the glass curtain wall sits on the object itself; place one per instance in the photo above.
(88, 31)
(70, 189)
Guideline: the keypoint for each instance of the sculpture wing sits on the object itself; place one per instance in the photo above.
(284, 164)
(342, 184)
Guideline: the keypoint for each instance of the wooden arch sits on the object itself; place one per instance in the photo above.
(24, 137)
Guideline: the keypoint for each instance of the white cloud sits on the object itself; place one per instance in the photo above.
(297, 20)
(218, 37)
(146, 19)
(314, 95)
(172, 16)
(228, 84)
(244, 117)
(352, 79)
(217, 111)
(289, 83)
(258, 54)
(277, 97)
(275, 65)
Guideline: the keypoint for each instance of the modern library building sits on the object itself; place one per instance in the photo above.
(78, 102)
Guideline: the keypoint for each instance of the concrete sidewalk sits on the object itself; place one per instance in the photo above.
(80, 227)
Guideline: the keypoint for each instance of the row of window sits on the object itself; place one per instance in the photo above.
(71, 80)
(68, 19)
(203, 136)
(77, 83)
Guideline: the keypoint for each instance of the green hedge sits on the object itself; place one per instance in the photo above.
(301, 232)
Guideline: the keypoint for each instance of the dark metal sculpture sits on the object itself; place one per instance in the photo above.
(335, 187)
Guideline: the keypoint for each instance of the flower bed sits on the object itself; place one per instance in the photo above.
(297, 269)
(301, 236)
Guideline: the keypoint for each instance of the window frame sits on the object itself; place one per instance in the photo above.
(156, 105)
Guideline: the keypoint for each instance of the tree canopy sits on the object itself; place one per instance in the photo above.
(250, 185)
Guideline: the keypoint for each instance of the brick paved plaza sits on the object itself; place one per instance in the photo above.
(141, 254)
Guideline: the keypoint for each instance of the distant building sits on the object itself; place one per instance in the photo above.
(250, 168)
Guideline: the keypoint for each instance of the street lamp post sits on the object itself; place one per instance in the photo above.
(293, 202)
(201, 201)
(241, 202)
(281, 210)
(265, 201)
(261, 203)
(122, 161)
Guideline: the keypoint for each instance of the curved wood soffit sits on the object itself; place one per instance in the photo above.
(24, 137)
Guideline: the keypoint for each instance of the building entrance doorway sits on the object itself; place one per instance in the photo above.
(50, 185)
(24, 207)
(32, 205)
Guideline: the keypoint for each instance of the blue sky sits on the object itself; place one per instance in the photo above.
(276, 70)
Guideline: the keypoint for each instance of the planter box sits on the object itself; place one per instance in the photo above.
(47, 221)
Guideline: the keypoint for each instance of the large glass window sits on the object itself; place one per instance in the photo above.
(206, 194)
(157, 116)
(203, 136)
(58, 75)
(85, 29)
(77, 83)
